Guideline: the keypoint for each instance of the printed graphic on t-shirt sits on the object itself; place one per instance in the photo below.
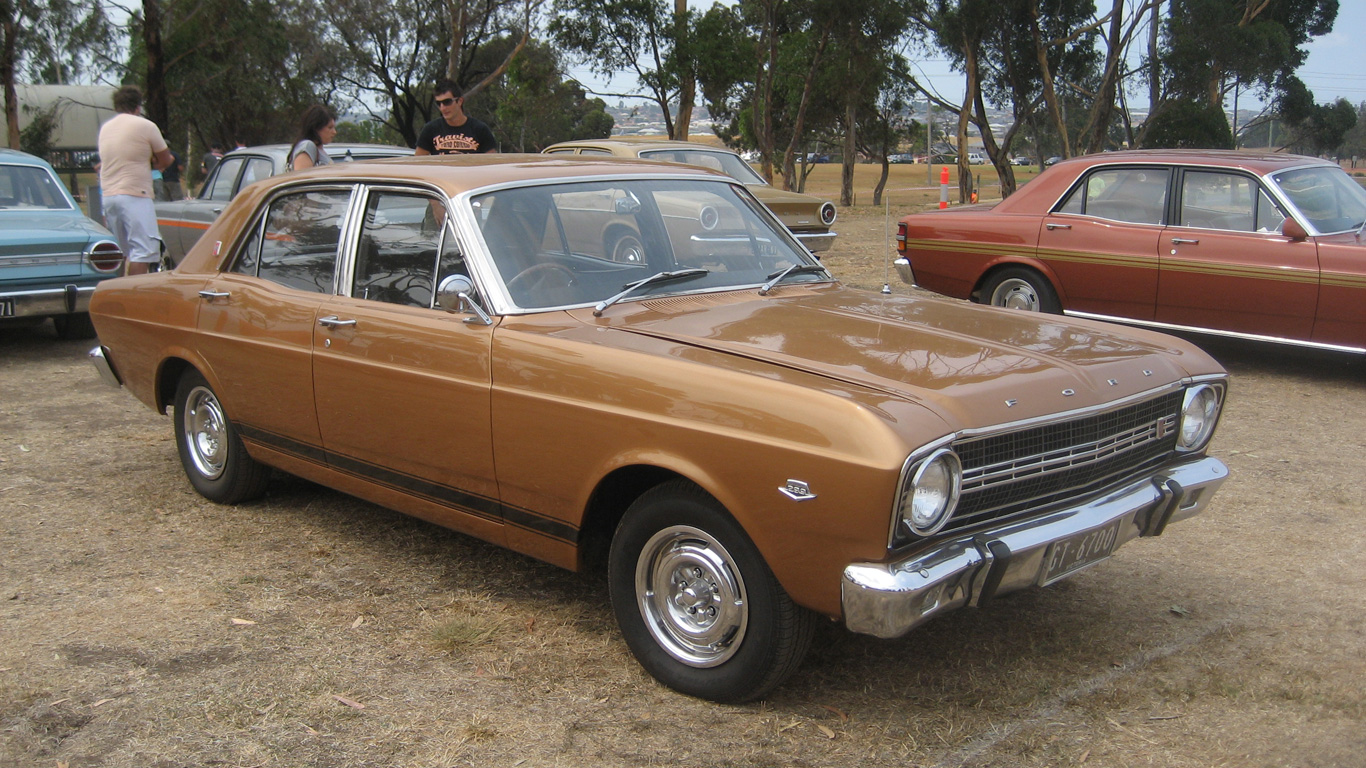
(455, 142)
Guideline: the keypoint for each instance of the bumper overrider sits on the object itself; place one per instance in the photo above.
(889, 599)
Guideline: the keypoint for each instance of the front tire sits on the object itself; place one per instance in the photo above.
(1021, 288)
(212, 454)
(698, 606)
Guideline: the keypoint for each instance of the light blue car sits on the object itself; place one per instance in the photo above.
(51, 254)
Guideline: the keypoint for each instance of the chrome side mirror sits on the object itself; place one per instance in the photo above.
(454, 294)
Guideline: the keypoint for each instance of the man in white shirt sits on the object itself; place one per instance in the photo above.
(130, 147)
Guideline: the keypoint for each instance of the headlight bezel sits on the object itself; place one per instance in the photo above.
(1203, 401)
(917, 470)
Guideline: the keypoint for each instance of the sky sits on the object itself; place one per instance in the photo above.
(1333, 70)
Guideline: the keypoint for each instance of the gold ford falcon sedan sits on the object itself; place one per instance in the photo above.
(743, 444)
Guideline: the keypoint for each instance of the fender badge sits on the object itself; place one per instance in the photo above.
(1112, 382)
(1011, 402)
(1068, 392)
(797, 491)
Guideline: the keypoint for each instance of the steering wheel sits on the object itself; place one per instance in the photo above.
(540, 277)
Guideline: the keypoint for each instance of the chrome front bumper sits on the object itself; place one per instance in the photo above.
(888, 599)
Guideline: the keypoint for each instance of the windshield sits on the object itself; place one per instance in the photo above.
(577, 244)
(728, 163)
(27, 186)
(1327, 197)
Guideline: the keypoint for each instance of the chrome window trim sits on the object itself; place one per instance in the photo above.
(1284, 198)
(65, 193)
(357, 214)
(501, 302)
(1259, 182)
(1119, 166)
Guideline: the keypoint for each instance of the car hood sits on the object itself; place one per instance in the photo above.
(975, 366)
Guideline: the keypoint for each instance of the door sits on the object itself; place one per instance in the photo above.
(402, 388)
(1102, 241)
(256, 320)
(1227, 267)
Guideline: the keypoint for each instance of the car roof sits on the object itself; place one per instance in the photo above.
(1257, 162)
(15, 157)
(456, 174)
(637, 145)
(278, 151)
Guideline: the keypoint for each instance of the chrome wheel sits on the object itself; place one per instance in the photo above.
(691, 596)
(1014, 293)
(206, 432)
(629, 250)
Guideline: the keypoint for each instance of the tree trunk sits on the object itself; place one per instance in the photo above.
(850, 150)
(155, 105)
(687, 79)
(763, 91)
(1105, 97)
(971, 91)
(9, 27)
(457, 40)
(1050, 95)
(799, 124)
(999, 156)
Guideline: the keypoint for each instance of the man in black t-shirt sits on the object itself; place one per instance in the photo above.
(454, 133)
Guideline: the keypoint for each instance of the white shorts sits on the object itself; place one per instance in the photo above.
(133, 220)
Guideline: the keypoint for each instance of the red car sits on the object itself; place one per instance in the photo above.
(1259, 246)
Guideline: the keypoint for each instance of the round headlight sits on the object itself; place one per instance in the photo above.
(929, 499)
(1198, 417)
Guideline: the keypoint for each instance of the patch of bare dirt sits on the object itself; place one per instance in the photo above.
(144, 626)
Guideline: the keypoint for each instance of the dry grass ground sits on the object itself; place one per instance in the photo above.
(141, 626)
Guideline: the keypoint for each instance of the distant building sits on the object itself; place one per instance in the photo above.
(79, 110)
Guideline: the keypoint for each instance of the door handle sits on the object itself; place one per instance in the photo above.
(332, 321)
(211, 295)
(1184, 241)
(1058, 226)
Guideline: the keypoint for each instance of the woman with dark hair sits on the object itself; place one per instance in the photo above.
(316, 128)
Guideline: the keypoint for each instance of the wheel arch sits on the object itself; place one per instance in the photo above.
(608, 503)
(1007, 262)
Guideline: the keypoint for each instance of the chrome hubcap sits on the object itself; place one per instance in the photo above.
(691, 596)
(1016, 294)
(206, 432)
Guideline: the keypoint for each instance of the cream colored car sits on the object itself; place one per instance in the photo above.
(807, 216)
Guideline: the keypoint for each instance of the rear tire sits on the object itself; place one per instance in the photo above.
(1021, 288)
(696, 603)
(212, 454)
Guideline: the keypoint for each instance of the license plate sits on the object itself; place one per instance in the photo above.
(6, 307)
(1074, 553)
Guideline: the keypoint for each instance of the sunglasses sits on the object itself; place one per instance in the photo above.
(445, 102)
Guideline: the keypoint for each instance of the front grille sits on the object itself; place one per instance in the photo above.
(1040, 467)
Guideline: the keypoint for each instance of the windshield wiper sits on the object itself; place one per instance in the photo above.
(795, 269)
(660, 277)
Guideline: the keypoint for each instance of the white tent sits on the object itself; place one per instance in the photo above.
(80, 109)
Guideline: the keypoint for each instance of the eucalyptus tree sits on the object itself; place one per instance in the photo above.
(1208, 47)
(650, 39)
